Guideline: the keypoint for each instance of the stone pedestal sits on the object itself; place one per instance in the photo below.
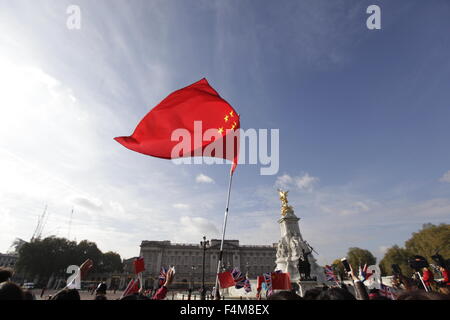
(291, 248)
(305, 286)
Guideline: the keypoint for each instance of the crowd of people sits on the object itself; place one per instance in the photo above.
(422, 286)
(12, 291)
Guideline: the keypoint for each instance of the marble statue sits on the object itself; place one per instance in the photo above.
(294, 255)
(295, 248)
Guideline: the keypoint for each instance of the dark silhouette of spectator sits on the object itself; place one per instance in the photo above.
(312, 294)
(101, 292)
(421, 295)
(28, 295)
(336, 294)
(10, 291)
(68, 294)
(5, 274)
(285, 295)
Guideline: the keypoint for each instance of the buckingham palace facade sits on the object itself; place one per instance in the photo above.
(188, 260)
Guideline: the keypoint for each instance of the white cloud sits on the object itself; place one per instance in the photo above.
(304, 182)
(181, 206)
(284, 181)
(192, 229)
(201, 178)
(347, 209)
(94, 204)
(445, 177)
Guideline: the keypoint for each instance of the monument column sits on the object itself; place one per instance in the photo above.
(293, 252)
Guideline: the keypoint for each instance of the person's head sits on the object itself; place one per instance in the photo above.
(100, 298)
(5, 274)
(101, 289)
(130, 297)
(374, 294)
(67, 294)
(285, 295)
(10, 291)
(421, 295)
(336, 294)
(378, 298)
(28, 295)
(312, 294)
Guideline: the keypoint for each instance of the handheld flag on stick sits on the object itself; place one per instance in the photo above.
(281, 281)
(139, 268)
(239, 278)
(198, 111)
(132, 287)
(329, 273)
(162, 276)
(247, 285)
(139, 265)
(226, 280)
(268, 281)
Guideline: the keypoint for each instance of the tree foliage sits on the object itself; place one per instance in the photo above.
(52, 256)
(395, 255)
(359, 257)
(356, 257)
(428, 241)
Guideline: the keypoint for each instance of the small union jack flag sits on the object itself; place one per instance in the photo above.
(162, 276)
(247, 286)
(387, 292)
(329, 273)
(268, 281)
(239, 278)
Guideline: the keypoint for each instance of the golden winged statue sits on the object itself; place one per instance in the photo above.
(285, 207)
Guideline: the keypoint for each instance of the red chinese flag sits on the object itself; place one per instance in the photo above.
(185, 109)
(281, 281)
(260, 282)
(139, 265)
(226, 280)
(132, 287)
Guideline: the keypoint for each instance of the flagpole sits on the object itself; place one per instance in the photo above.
(223, 234)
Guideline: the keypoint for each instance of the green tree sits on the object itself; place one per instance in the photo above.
(396, 255)
(42, 258)
(89, 250)
(111, 262)
(430, 240)
(51, 256)
(338, 268)
(359, 257)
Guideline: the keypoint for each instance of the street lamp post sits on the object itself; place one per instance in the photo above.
(204, 245)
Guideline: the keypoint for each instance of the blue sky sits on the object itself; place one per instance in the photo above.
(363, 118)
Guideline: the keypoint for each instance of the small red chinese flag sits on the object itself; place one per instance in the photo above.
(185, 109)
(139, 265)
(226, 280)
(281, 281)
(132, 287)
(260, 281)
